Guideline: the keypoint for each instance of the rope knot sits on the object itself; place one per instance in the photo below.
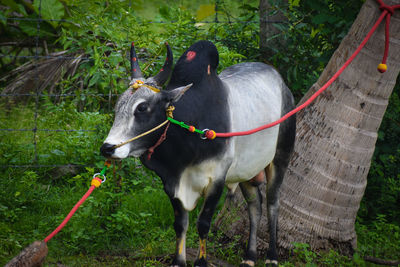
(388, 8)
(138, 83)
(169, 111)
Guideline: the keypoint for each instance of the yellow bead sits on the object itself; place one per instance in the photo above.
(96, 182)
(135, 86)
(382, 68)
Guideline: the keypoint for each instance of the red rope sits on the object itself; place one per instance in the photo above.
(387, 11)
(96, 182)
(162, 138)
(74, 209)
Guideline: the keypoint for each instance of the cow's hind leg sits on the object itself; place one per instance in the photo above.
(180, 226)
(203, 224)
(273, 184)
(274, 173)
(251, 193)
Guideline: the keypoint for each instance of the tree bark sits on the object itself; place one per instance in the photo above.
(335, 141)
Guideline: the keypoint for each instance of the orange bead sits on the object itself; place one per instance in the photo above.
(210, 134)
(96, 182)
(382, 68)
(192, 129)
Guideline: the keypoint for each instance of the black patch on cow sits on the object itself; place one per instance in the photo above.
(204, 105)
(193, 64)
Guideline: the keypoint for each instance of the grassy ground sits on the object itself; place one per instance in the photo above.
(121, 227)
(125, 222)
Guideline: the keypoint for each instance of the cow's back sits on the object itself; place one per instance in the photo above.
(255, 99)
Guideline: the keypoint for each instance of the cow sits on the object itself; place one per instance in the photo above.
(242, 97)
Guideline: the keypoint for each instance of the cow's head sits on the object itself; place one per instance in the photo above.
(139, 109)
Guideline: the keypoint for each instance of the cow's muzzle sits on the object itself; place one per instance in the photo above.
(107, 150)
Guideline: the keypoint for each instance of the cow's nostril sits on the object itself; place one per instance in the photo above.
(107, 150)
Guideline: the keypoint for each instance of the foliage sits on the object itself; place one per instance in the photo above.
(304, 256)
(109, 27)
(314, 30)
(19, 27)
(64, 136)
(379, 239)
(382, 195)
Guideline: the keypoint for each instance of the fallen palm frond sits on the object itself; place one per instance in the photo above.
(36, 76)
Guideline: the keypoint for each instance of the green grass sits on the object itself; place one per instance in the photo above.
(128, 220)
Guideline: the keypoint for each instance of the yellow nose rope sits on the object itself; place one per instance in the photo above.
(169, 112)
(141, 135)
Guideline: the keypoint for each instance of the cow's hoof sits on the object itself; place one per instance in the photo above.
(247, 263)
(200, 263)
(178, 263)
(271, 263)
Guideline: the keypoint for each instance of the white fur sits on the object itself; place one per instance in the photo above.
(120, 133)
(196, 180)
(254, 100)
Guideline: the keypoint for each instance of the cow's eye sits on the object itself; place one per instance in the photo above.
(142, 107)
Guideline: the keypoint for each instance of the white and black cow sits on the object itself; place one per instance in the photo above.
(242, 97)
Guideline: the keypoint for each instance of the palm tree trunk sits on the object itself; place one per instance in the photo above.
(335, 141)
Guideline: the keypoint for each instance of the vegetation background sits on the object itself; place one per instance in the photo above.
(63, 64)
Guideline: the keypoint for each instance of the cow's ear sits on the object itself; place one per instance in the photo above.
(174, 95)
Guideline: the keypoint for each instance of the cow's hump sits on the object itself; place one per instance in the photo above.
(198, 60)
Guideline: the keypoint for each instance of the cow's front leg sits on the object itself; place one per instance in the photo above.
(180, 226)
(203, 224)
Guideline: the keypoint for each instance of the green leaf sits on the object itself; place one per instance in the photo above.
(28, 27)
(50, 10)
(95, 78)
(58, 152)
(294, 3)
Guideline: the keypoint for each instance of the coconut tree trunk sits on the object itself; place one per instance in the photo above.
(335, 141)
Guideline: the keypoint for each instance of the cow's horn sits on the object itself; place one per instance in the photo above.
(166, 70)
(135, 68)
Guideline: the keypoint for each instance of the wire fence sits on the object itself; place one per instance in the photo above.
(39, 51)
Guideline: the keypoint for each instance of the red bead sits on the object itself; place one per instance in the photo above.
(210, 134)
(192, 129)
